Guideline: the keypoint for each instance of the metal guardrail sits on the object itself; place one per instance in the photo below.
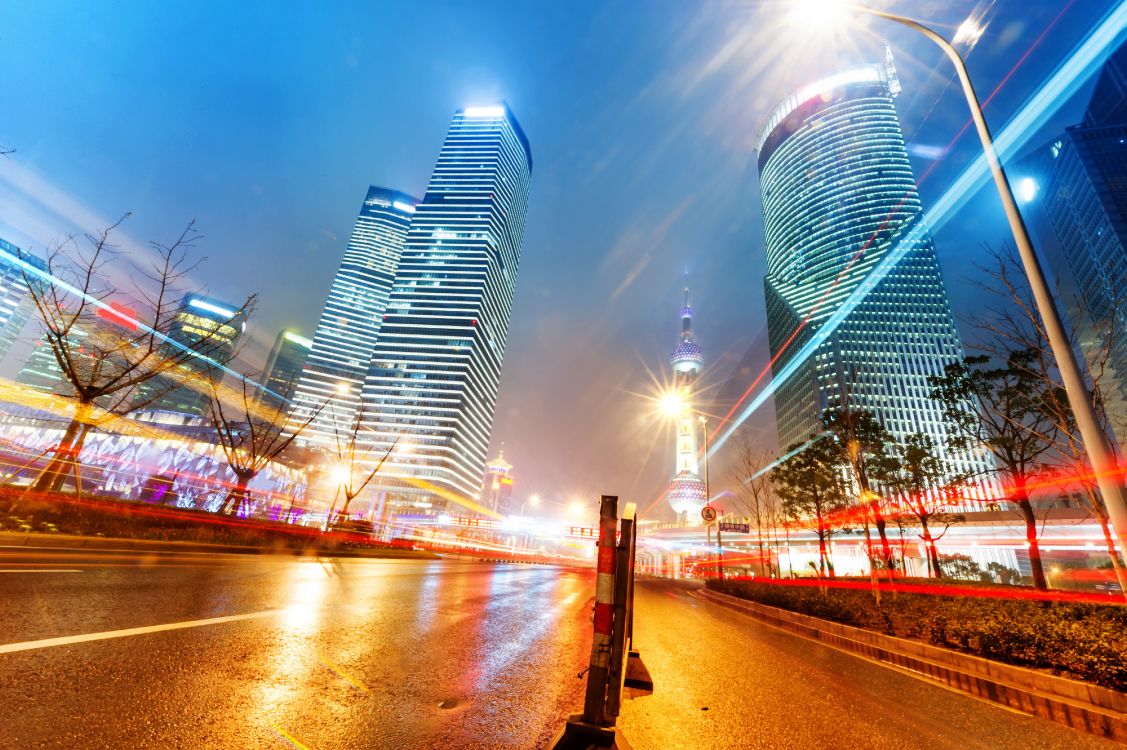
(614, 663)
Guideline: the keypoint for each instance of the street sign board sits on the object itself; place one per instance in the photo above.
(740, 528)
(708, 513)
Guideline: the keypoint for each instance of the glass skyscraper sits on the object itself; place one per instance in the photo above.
(283, 368)
(436, 366)
(838, 194)
(1078, 199)
(346, 333)
(210, 328)
(15, 303)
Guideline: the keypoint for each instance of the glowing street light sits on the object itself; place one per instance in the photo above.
(1095, 442)
(671, 403)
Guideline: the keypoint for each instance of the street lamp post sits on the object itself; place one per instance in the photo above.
(1079, 398)
(708, 499)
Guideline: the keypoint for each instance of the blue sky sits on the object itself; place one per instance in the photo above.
(266, 124)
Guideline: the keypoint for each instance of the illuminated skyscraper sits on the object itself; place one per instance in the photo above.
(345, 335)
(687, 493)
(283, 367)
(436, 366)
(210, 328)
(1075, 191)
(15, 303)
(838, 194)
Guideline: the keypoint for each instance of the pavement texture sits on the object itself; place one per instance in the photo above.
(323, 654)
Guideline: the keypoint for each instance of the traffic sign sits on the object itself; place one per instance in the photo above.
(708, 513)
(741, 528)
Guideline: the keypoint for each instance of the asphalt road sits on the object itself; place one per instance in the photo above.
(258, 652)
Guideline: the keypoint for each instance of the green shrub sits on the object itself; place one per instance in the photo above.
(1082, 640)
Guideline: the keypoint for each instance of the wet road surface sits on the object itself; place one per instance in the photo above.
(126, 650)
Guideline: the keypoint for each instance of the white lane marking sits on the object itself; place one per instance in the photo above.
(40, 570)
(9, 648)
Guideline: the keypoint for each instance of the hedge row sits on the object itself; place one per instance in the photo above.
(1081, 640)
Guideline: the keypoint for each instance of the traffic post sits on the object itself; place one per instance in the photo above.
(614, 663)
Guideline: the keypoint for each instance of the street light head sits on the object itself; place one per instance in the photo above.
(817, 14)
(969, 32)
(341, 474)
(534, 501)
(343, 388)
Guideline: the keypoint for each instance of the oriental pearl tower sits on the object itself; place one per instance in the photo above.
(687, 493)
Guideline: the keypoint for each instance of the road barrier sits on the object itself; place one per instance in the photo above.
(614, 663)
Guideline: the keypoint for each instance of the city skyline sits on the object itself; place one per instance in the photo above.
(629, 273)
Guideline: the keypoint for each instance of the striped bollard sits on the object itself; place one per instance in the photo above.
(594, 704)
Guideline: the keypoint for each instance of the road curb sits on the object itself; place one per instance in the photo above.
(70, 541)
(1082, 706)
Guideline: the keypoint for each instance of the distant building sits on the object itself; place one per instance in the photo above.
(1075, 192)
(351, 319)
(497, 493)
(838, 196)
(89, 340)
(436, 366)
(283, 368)
(15, 301)
(210, 328)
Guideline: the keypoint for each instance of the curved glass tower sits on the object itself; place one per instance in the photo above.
(838, 193)
(346, 333)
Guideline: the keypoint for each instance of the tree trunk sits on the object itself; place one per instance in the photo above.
(65, 456)
(885, 548)
(1021, 500)
(237, 496)
(822, 556)
(929, 545)
(1112, 552)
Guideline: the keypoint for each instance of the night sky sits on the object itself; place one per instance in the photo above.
(266, 124)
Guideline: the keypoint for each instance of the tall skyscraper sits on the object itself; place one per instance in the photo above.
(15, 303)
(838, 195)
(1075, 190)
(210, 328)
(346, 333)
(687, 493)
(283, 368)
(436, 366)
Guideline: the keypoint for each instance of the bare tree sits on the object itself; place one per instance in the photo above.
(1019, 325)
(355, 461)
(251, 434)
(104, 350)
(752, 480)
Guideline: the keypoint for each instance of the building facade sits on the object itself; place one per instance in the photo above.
(1076, 192)
(284, 367)
(15, 302)
(436, 367)
(334, 370)
(838, 195)
(687, 492)
(210, 329)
